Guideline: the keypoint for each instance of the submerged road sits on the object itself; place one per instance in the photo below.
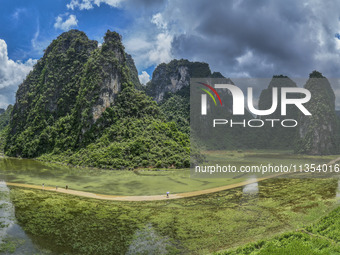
(149, 198)
(139, 198)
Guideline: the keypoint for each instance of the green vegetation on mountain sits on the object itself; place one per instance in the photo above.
(133, 72)
(170, 87)
(83, 104)
(174, 76)
(177, 108)
(48, 94)
(319, 133)
(79, 105)
(5, 117)
(135, 135)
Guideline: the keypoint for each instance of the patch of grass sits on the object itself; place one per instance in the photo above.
(196, 225)
(154, 181)
(291, 243)
(9, 245)
(321, 237)
(329, 226)
(75, 225)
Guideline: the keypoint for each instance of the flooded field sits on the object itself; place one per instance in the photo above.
(50, 223)
(13, 239)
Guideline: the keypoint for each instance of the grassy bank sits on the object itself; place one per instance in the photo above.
(322, 237)
(197, 225)
(293, 243)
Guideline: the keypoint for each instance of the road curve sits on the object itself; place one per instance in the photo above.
(138, 198)
(148, 198)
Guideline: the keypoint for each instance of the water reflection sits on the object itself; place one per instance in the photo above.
(252, 188)
(110, 182)
(250, 192)
(9, 230)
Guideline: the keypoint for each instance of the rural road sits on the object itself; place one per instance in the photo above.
(148, 198)
(139, 198)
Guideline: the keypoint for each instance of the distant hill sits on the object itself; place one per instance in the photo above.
(319, 133)
(5, 117)
(278, 137)
(170, 88)
(174, 77)
(4, 122)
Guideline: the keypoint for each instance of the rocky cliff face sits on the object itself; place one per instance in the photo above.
(109, 61)
(175, 81)
(133, 71)
(170, 88)
(2, 110)
(318, 132)
(174, 76)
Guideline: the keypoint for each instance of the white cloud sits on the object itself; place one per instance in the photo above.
(4, 102)
(17, 13)
(161, 51)
(158, 20)
(237, 38)
(69, 22)
(11, 75)
(149, 39)
(34, 40)
(38, 43)
(152, 44)
(89, 4)
(138, 43)
(144, 78)
(150, 50)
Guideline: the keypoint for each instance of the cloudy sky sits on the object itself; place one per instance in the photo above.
(237, 38)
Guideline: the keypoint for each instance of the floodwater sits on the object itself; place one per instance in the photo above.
(116, 182)
(110, 182)
(10, 232)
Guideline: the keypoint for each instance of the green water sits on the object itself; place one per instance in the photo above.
(197, 225)
(13, 239)
(141, 182)
(114, 182)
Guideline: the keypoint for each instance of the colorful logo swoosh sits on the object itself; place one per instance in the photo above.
(213, 90)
